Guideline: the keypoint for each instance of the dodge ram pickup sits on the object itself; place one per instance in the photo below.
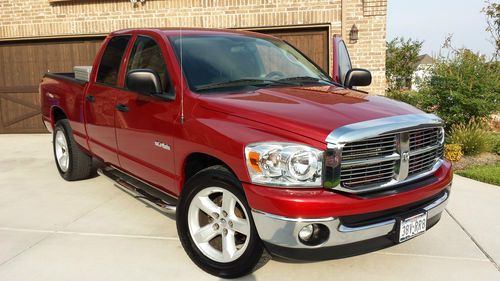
(259, 151)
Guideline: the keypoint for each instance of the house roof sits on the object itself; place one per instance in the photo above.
(425, 59)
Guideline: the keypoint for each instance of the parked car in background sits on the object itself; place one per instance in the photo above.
(256, 148)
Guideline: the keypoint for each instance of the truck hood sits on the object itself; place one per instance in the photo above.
(313, 112)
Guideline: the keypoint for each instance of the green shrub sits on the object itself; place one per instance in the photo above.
(461, 87)
(473, 136)
(410, 97)
(495, 148)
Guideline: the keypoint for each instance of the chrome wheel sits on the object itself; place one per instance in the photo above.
(219, 224)
(61, 149)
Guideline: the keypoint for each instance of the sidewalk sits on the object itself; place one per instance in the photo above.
(55, 230)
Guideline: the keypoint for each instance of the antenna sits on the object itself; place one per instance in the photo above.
(182, 80)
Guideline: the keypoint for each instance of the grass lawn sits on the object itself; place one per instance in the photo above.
(488, 173)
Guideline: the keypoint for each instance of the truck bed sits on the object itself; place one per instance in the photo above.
(62, 90)
(66, 76)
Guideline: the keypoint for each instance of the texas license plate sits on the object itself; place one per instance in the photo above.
(412, 226)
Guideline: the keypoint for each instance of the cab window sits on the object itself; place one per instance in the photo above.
(109, 66)
(146, 54)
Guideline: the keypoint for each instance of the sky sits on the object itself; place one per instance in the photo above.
(432, 20)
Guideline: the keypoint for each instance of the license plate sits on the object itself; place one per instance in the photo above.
(413, 226)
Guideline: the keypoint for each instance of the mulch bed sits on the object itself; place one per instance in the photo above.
(477, 160)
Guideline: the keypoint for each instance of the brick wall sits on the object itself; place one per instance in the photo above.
(39, 18)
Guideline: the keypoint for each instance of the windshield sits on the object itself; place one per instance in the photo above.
(223, 61)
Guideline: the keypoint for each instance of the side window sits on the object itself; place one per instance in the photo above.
(109, 66)
(344, 61)
(147, 54)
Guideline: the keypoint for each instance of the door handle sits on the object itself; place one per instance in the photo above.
(122, 107)
(90, 98)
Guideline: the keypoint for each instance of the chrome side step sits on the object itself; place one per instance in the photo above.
(140, 190)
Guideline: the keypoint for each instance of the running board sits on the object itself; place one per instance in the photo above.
(140, 190)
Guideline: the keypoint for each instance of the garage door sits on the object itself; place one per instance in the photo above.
(22, 65)
(313, 42)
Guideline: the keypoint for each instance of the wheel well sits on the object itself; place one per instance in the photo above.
(196, 162)
(57, 114)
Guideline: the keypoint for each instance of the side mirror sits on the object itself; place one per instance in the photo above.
(357, 77)
(143, 81)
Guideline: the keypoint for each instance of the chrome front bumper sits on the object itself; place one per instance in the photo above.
(283, 231)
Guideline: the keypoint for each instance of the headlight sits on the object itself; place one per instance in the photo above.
(285, 164)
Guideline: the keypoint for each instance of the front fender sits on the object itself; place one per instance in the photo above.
(225, 136)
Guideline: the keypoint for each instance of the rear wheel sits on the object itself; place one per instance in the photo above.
(71, 161)
(215, 225)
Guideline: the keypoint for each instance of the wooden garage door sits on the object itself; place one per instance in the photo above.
(313, 42)
(22, 65)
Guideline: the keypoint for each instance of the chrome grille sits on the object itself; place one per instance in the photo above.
(374, 147)
(424, 138)
(371, 173)
(390, 158)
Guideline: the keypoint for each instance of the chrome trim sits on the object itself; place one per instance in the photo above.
(423, 150)
(355, 162)
(283, 231)
(382, 126)
(404, 156)
(401, 125)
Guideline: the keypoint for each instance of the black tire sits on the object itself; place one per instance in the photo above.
(80, 163)
(254, 255)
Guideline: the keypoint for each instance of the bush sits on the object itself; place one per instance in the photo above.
(496, 143)
(473, 136)
(453, 152)
(462, 87)
(410, 97)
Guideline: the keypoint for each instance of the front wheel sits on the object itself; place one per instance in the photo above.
(215, 225)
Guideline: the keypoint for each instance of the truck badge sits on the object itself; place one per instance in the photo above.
(162, 145)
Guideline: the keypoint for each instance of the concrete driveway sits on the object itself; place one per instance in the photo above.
(53, 230)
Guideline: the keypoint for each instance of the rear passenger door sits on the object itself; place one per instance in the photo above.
(100, 99)
(145, 130)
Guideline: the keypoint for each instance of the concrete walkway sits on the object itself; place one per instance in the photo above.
(54, 230)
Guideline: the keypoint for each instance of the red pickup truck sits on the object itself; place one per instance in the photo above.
(258, 150)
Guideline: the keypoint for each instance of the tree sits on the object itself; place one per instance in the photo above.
(492, 12)
(462, 86)
(401, 62)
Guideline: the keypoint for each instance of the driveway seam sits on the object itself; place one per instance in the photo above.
(474, 241)
(88, 233)
(24, 250)
(433, 256)
(51, 234)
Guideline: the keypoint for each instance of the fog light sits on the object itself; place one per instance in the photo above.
(314, 234)
(306, 232)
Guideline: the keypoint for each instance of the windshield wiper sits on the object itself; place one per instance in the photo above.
(243, 82)
(309, 79)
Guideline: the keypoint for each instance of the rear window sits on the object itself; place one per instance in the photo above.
(111, 60)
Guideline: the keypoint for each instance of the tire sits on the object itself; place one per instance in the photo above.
(210, 247)
(71, 161)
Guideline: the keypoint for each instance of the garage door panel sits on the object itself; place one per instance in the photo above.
(23, 65)
(313, 42)
(20, 112)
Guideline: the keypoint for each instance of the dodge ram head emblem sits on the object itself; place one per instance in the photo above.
(406, 156)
